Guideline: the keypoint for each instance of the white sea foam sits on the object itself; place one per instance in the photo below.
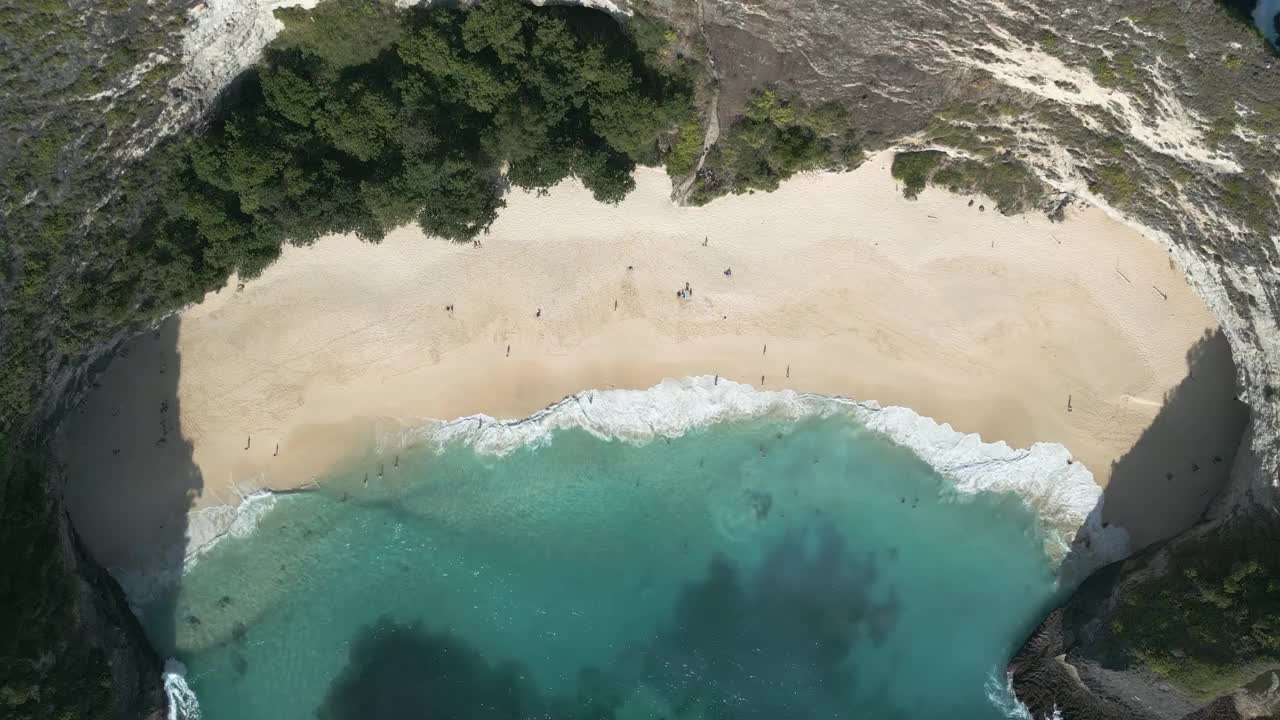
(181, 700)
(1062, 492)
(205, 529)
(1003, 698)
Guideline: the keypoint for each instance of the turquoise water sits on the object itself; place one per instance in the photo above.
(756, 569)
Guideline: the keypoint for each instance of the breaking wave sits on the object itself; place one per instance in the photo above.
(181, 700)
(1059, 490)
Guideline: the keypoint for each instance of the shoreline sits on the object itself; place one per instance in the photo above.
(1061, 492)
(839, 287)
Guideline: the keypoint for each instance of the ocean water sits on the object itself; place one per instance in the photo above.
(1264, 14)
(758, 567)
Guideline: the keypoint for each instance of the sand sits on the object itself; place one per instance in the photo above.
(1017, 328)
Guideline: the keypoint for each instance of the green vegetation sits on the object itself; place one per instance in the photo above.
(684, 155)
(361, 118)
(914, 169)
(1212, 620)
(68, 79)
(341, 34)
(1120, 70)
(1115, 185)
(46, 614)
(774, 139)
(1010, 183)
(1250, 201)
(364, 138)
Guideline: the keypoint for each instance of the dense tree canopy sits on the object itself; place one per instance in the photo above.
(428, 121)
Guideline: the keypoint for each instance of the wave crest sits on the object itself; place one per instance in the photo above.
(1061, 491)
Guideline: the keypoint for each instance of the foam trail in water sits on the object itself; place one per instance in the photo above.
(1003, 698)
(182, 701)
(1061, 491)
(205, 528)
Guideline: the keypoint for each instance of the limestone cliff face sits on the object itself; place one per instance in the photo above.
(1164, 112)
(1167, 115)
(70, 647)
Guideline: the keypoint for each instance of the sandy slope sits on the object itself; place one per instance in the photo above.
(989, 323)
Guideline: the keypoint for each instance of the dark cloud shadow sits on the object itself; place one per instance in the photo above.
(1164, 483)
(748, 646)
(774, 642)
(404, 671)
(131, 477)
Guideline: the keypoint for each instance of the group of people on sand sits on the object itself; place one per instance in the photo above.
(685, 293)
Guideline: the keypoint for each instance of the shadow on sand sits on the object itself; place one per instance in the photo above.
(131, 477)
(1167, 479)
(1161, 487)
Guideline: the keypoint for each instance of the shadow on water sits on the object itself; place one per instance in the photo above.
(131, 477)
(1183, 459)
(778, 641)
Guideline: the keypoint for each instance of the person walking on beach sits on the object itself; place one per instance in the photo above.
(538, 314)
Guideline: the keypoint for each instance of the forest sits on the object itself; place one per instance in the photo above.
(360, 118)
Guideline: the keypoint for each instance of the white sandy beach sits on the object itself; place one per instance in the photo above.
(838, 286)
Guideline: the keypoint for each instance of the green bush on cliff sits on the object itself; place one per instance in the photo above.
(1009, 182)
(1212, 620)
(362, 118)
(1115, 185)
(683, 158)
(914, 169)
(774, 139)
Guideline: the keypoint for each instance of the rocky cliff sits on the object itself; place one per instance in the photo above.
(1164, 112)
(1167, 115)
